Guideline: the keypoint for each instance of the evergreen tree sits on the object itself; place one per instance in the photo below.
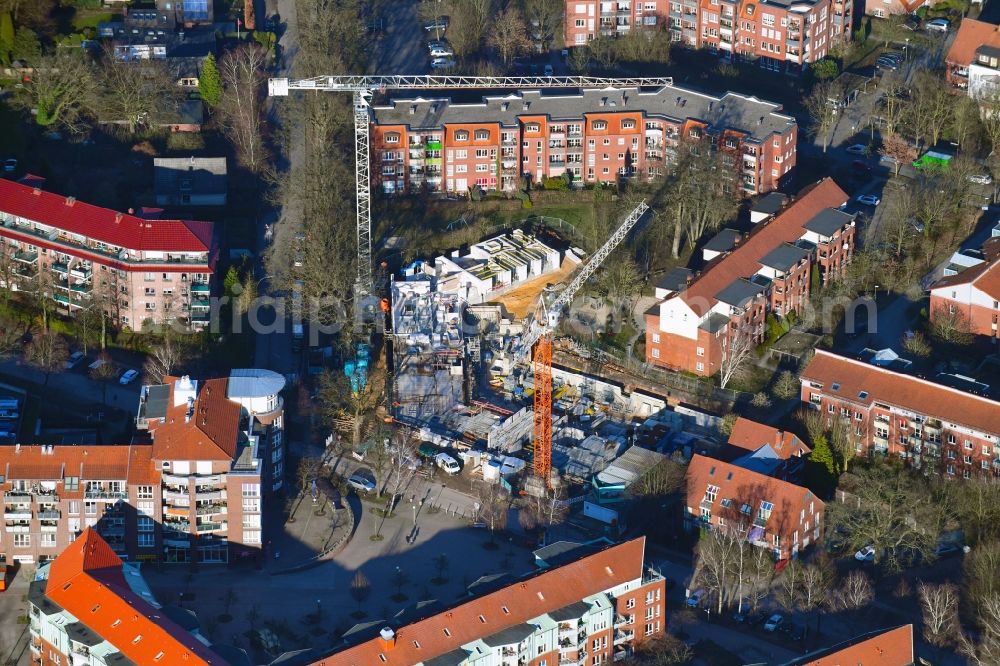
(821, 471)
(822, 455)
(6, 37)
(814, 280)
(26, 45)
(210, 83)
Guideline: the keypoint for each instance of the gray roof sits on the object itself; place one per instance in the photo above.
(731, 111)
(770, 203)
(157, 399)
(81, 633)
(784, 257)
(38, 598)
(739, 292)
(456, 657)
(631, 465)
(675, 279)
(715, 323)
(556, 549)
(254, 383)
(724, 241)
(201, 175)
(828, 221)
(571, 612)
(510, 635)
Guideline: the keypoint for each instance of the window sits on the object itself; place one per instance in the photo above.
(90, 508)
(251, 505)
(144, 492)
(656, 353)
(251, 521)
(630, 603)
(649, 628)
(251, 536)
(700, 351)
(145, 508)
(599, 125)
(711, 493)
(462, 135)
(251, 490)
(145, 524)
(22, 540)
(656, 338)
(71, 483)
(628, 124)
(48, 540)
(146, 540)
(74, 507)
(700, 366)
(482, 135)
(765, 510)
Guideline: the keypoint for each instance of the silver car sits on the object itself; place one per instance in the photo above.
(361, 483)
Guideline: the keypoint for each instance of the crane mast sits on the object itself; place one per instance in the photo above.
(363, 87)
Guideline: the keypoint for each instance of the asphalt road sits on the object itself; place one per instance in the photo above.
(401, 46)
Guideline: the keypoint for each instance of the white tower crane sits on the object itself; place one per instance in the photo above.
(363, 87)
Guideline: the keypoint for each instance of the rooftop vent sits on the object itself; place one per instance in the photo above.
(118, 218)
(413, 109)
(504, 106)
(70, 201)
(37, 191)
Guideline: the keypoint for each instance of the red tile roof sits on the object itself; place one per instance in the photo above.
(104, 224)
(741, 485)
(888, 648)
(905, 391)
(971, 35)
(211, 434)
(87, 580)
(130, 462)
(550, 590)
(751, 435)
(744, 261)
(984, 276)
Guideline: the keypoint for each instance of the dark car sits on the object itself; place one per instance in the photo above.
(861, 167)
(794, 632)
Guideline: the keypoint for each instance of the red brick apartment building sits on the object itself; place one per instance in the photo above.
(884, 647)
(597, 136)
(930, 426)
(139, 269)
(88, 608)
(973, 294)
(768, 512)
(780, 35)
(884, 8)
(769, 271)
(195, 493)
(589, 611)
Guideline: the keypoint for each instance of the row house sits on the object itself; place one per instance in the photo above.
(694, 324)
(779, 516)
(971, 296)
(779, 35)
(882, 647)
(88, 608)
(884, 8)
(137, 269)
(929, 426)
(972, 63)
(763, 448)
(591, 610)
(586, 20)
(596, 136)
(195, 493)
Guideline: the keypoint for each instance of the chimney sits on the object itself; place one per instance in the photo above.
(525, 105)
(131, 211)
(388, 637)
(17, 448)
(413, 109)
(70, 201)
(760, 121)
(118, 218)
(37, 192)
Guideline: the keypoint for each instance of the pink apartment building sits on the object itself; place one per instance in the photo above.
(138, 269)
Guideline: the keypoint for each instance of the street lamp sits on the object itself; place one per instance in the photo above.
(414, 515)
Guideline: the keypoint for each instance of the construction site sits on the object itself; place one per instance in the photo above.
(472, 340)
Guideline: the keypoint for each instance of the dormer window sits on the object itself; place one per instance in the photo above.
(482, 135)
(392, 137)
(628, 124)
(462, 135)
(532, 127)
(599, 125)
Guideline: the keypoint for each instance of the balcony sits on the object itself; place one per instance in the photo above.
(174, 496)
(211, 509)
(49, 528)
(106, 494)
(18, 514)
(624, 636)
(621, 620)
(211, 527)
(49, 514)
(210, 495)
(61, 268)
(177, 525)
(19, 528)
(80, 273)
(16, 497)
(200, 288)
(173, 479)
(201, 303)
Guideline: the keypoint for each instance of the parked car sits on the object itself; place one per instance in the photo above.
(548, 70)
(773, 622)
(437, 42)
(128, 377)
(695, 599)
(861, 167)
(937, 25)
(868, 200)
(857, 149)
(441, 51)
(74, 360)
(10, 165)
(887, 63)
(447, 463)
(793, 631)
(442, 63)
(947, 549)
(361, 483)
(437, 24)
(866, 554)
(981, 178)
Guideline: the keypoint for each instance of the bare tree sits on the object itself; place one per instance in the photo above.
(242, 71)
(545, 18)
(402, 462)
(965, 123)
(137, 94)
(950, 325)
(620, 277)
(47, 351)
(360, 588)
(738, 350)
(939, 608)
(822, 113)
(894, 102)
(165, 357)
(493, 502)
(855, 591)
(663, 478)
(898, 150)
(62, 91)
(930, 106)
(510, 35)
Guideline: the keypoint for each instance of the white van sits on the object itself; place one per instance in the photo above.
(447, 463)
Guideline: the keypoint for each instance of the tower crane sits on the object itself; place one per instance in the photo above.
(538, 334)
(363, 87)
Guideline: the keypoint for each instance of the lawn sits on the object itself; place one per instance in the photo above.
(90, 19)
